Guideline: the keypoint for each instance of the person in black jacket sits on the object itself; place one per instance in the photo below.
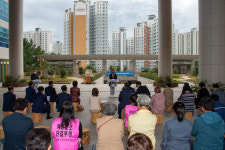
(30, 92)
(8, 99)
(41, 104)
(16, 126)
(50, 91)
(62, 97)
(142, 89)
(203, 92)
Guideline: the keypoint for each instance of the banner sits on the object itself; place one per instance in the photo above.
(120, 73)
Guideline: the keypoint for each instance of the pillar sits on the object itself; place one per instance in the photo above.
(165, 38)
(212, 40)
(16, 38)
(133, 65)
(74, 67)
(104, 66)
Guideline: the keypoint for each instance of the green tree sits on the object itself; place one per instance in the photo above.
(30, 52)
(125, 68)
(81, 70)
(118, 68)
(63, 72)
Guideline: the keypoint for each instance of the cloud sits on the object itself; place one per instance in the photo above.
(49, 15)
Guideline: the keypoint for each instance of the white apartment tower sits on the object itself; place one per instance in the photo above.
(44, 39)
(58, 48)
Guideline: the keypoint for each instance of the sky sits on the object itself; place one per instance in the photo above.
(49, 15)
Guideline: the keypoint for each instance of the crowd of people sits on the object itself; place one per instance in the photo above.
(136, 121)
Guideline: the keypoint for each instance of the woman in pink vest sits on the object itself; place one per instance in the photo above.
(157, 101)
(129, 110)
(67, 130)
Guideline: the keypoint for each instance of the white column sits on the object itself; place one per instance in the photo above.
(104, 66)
(133, 65)
(74, 67)
(165, 38)
(16, 38)
(212, 40)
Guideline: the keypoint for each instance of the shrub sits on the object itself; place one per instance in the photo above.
(63, 73)
(155, 70)
(160, 80)
(168, 79)
(43, 77)
(50, 72)
(175, 71)
(176, 76)
(70, 72)
(81, 70)
(148, 75)
(96, 76)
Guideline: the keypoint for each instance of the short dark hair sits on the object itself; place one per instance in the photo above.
(40, 89)
(20, 104)
(50, 82)
(216, 86)
(95, 92)
(215, 97)
(138, 83)
(127, 84)
(10, 88)
(133, 99)
(75, 83)
(186, 88)
(139, 141)
(38, 138)
(186, 83)
(64, 88)
(130, 82)
(168, 84)
(30, 83)
(208, 103)
(201, 84)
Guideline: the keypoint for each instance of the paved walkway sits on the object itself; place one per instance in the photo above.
(85, 116)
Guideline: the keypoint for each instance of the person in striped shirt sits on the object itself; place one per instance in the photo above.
(188, 99)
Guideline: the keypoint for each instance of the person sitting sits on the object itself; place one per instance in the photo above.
(203, 92)
(67, 130)
(219, 108)
(8, 100)
(177, 132)
(142, 89)
(41, 104)
(110, 130)
(188, 99)
(143, 121)
(124, 98)
(168, 93)
(94, 101)
(158, 101)
(183, 92)
(75, 92)
(16, 126)
(130, 86)
(30, 92)
(38, 139)
(139, 141)
(51, 92)
(219, 92)
(62, 97)
(129, 110)
(208, 128)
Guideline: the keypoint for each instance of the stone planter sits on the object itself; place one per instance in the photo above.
(164, 84)
(15, 84)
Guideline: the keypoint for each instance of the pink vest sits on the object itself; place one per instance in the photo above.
(65, 139)
(129, 110)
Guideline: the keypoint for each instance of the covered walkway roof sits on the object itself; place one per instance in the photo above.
(113, 57)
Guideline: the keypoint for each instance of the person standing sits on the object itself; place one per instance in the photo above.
(50, 91)
(8, 100)
(177, 132)
(41, 104)
(62, 97)
(16, 126)
(30, 92)
(208, 128)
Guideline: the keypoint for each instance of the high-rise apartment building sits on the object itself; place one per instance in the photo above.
(130, 46)
(44, 39)
(188, 43)
(58, 48)
(4, 39)
(89, 29)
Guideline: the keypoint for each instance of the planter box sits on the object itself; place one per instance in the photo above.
(164, 84)
(15, 84)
